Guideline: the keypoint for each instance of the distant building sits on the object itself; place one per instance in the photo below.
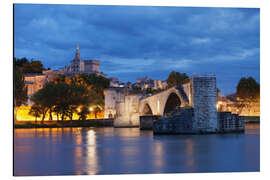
(36, 81)
(145, 83)
(114, 82)
(229, 104)
(79, 66)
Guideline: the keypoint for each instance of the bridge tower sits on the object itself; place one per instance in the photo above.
(204, 103)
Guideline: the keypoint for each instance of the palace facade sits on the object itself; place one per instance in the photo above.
(79, 66)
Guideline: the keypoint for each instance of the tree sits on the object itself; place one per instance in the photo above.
(68, 97)
(45, 98)
(35, 111)
(148, 91)
(38, 102)
(97, 102)
(97, 83)
(33, 66)
(64, 95)
(20, 62)
(136, 89)
(83, 113)
(248, 93)
(97, 109)
(176, 78)
(20, 90)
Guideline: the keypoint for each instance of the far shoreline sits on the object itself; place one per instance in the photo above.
(62, 124)
(87, 123)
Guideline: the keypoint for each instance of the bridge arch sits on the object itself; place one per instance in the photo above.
(164, 102)
(173, 101)
(147, 110)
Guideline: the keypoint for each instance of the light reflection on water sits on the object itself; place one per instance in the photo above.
(66, 151)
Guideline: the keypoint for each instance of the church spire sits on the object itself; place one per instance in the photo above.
(77, 52)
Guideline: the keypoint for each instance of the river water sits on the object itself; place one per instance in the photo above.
(76, 151)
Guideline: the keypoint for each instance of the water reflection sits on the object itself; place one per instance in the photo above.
(190, 152)
(92, 156)
(65, 151)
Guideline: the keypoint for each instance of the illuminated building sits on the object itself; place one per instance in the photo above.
(79, 66)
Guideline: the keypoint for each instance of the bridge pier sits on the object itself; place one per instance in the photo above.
(127, 111)
(146, 122)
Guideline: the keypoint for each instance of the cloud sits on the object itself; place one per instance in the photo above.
(134, 41)
(240, 55)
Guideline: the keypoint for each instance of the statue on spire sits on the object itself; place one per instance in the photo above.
(77, 52)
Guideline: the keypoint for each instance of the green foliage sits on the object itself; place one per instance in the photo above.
(20, 62)
(136, 89)
(64, 95)
(248, 93)
(248, 88)
(98, 83)
(60, 78)
(176, 78)
(97, 109)
(83, 113)
(33, 66)
(20, 90)
(148, 90)
(62, 98)
(35, 111)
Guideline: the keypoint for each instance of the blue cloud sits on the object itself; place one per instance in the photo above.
(136, 41)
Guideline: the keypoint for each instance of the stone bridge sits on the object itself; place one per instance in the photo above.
(199, 93)
(164, 102)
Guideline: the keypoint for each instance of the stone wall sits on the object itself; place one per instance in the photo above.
(187, 87)
(181, 122)
(34, 82)
(229, 122)
(146, 122)
(127, 111)
(112, 95)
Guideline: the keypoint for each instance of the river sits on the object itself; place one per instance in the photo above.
(77, 151)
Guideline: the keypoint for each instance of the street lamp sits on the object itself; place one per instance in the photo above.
(90, 109)
(218, 105)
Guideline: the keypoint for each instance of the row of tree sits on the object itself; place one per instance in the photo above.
(65, 96)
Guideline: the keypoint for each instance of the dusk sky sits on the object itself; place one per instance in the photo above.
(135, 41)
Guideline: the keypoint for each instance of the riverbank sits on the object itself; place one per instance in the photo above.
(66, 123)
(90, 123)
